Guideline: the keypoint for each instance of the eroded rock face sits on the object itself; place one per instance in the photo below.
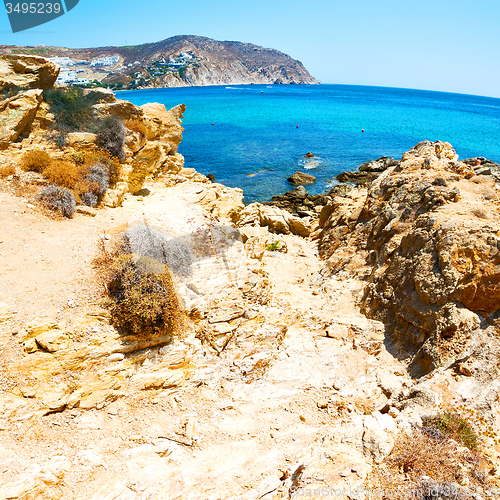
(16, 114)
(368, 171)
(276, 219)
(427, 240)
(27, 71)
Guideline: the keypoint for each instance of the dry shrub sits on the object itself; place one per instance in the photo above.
(420, 453)
(59, 200)
(451, 425)
(36, 161)
(111, 136)
(94, 183)
(6, 170)
(139, 290)
(88, 157)
(135, 125)
(142, 297)
(63, 173)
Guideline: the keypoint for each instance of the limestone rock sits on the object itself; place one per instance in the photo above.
(433, 264)
(38, 326)
(376, 441)
(225, 315)
(16, 114)
(52, 340)
(124, 110)
(222, 202)
(161, 122)
(101, 94)
(276, 219)
(84, 210)
(81, 138)
(301, 178)
(378, 165)
(27, 71)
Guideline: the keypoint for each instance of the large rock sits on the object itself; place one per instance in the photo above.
(27, 71)
(161, 122)
(301, 178)
(222, 202)
(378, 165)
(151, 150)
(368, 171)
(276, 219)
(17, 114)
(433, 260)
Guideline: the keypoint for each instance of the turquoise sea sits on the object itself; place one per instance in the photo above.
(247, 136)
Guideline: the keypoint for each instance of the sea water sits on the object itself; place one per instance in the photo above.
(255, 136)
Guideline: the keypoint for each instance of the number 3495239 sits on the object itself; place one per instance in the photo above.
(33, 8)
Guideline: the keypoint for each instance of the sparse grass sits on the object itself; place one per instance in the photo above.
(276, 245)
(452, 425)
(72, 109)
(35, 161)
(10, 90)
(417, 454)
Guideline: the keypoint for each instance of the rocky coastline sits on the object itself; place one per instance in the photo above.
(339, 342)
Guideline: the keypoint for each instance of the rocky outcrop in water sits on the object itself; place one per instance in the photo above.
(368, 171)
(425, 234)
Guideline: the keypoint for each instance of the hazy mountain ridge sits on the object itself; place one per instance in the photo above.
(160, 64)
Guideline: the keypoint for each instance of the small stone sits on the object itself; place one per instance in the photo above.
(322, 404)
(30, 346)
(346, 472)
(52, 340)
(302, 418)
(117, 356)
(89, 211)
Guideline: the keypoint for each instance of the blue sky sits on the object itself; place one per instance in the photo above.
(442, 45)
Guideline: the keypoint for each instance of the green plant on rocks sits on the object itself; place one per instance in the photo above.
(451, 425)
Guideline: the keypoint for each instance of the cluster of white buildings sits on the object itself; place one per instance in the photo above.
(105, 61)
(69, 74)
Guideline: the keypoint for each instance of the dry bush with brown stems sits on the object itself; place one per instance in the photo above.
(7, 170)
(63, 173)
(35, 161)
(420, 461)
(140, 293)
(87, 157)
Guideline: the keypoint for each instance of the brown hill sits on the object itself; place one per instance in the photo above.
(176, 62)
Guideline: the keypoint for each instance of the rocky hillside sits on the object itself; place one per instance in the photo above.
(340, 345)
(175, 62)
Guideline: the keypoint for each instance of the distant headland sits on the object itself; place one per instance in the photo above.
(179, 61)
